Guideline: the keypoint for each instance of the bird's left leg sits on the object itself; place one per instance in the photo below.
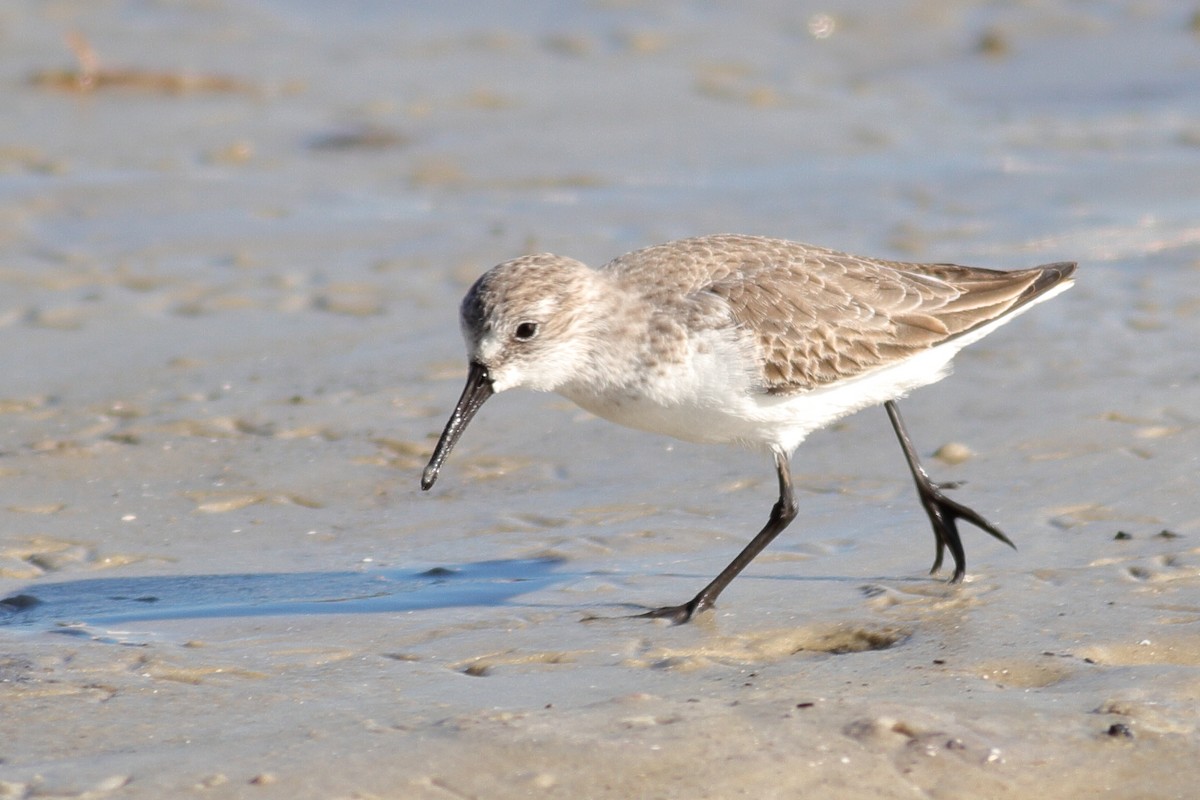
(943, 512)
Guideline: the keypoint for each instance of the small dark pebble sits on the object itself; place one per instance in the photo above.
(939, 661)
(1120, 729)
(1123, 536)
(805, 705)
(992, 43)
(143, 599)
(437, 572)
(366, 137)
(1166, 534)
(19, 602)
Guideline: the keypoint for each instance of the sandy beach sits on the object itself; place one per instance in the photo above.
(233, 239)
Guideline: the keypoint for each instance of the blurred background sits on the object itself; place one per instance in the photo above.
(233, 238)
(250, 222)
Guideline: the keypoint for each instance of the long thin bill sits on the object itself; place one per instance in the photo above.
(477, 390)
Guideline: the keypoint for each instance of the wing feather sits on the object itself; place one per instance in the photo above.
(819, 316)
(816, 315)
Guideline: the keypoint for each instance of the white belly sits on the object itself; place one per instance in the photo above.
(717, 408)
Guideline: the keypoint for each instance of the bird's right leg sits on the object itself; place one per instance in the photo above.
(782, 513)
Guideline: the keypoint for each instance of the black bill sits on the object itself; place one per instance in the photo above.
(477, 390)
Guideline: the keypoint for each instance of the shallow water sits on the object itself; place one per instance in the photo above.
(227, 317)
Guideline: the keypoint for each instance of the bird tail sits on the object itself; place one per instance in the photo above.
(1058, 275)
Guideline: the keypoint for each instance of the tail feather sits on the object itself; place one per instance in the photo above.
(1051, 275)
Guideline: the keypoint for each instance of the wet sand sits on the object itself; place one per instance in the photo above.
(232, 242)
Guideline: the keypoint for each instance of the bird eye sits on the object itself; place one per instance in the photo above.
(526, 331)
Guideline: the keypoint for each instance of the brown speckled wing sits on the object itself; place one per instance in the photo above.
(819, 316)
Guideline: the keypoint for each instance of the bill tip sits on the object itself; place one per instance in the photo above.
(427, 478)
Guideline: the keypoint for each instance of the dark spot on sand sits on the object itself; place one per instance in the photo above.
(19, 602)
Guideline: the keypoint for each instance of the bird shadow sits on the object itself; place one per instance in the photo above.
(101, 602)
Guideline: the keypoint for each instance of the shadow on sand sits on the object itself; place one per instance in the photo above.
(108, 601)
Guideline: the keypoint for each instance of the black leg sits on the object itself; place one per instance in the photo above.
(943, 512)
(782, 514)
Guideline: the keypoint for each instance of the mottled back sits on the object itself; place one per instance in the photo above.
(818, 316)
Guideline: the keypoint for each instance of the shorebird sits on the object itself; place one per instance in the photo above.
(738, 339)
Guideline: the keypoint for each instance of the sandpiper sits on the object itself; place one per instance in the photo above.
(738, 339)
